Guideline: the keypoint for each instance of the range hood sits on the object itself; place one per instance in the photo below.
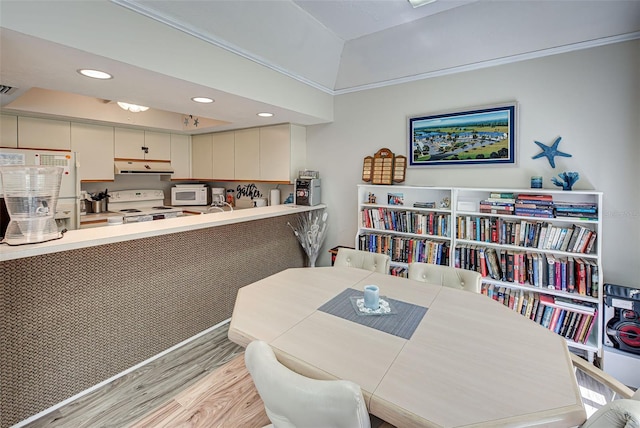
(143, 167)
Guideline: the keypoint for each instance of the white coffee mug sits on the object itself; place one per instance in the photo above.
(371, 297)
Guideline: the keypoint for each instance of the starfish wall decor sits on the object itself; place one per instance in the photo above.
(550, 152)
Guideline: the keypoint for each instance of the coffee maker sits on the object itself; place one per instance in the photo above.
(218, 196)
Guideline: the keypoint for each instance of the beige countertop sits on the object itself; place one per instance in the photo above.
(82, 238)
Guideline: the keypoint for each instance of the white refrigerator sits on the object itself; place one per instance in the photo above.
(68, 207)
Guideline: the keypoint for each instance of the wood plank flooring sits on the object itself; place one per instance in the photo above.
(127, 400)
(202, 384)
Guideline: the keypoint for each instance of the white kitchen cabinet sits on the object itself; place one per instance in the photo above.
(94, 145)
(181, 156)
(142, 145)
(158, 146)
(224, 156)
(35, 133)
(129, 143)
(282, 152)
(8, 131)
(247, 154)
(202, 156)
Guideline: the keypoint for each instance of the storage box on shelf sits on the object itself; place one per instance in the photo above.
(539, 253)
(408, 223)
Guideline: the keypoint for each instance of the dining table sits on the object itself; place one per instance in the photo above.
(440, 357)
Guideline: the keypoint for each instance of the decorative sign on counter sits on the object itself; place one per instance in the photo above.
(384, 168)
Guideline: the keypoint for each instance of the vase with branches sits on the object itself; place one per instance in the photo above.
(310, 230)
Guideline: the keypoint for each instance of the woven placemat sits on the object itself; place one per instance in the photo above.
(401, 324)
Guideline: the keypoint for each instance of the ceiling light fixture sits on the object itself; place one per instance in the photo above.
(133, 108)
(418, 3)
(95, 74)
(265, 114)
(203, 100)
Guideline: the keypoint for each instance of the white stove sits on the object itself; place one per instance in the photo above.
(141, 205)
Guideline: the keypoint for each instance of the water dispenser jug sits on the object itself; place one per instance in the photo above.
(31, 195)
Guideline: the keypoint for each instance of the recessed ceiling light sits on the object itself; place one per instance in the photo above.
(95, 74)
(265, 114)
(204, 100)
(418, 3)
(133, 108)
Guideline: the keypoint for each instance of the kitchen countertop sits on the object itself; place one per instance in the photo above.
(83, 238)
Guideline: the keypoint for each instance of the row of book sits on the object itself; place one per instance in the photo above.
(577, 210)
(405, 250)
(532, 234)
(407, 221)
(569, 274)
(399, 271)
(532, 205)
(573, 321)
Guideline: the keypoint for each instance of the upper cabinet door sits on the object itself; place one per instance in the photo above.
(34, 133)
(129, 143)
(181, 156)
(224, 156)
(247, 154)
(8, 131)
(275, 153)
(202, 156)
(158, 146)
(94, 144)
(282, 152)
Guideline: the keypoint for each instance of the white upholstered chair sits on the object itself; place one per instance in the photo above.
(619, 413)
(447, 276)
(363, 260)
(292, 400)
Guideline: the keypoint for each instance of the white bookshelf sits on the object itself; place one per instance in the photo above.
(464, 207)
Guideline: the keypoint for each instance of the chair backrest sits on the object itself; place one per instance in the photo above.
(292, 400)
(447, 276)
(621, 413)
(363, 260)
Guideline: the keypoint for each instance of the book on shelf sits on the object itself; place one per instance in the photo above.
(424, 204)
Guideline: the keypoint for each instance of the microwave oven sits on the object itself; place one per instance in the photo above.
(190, 195)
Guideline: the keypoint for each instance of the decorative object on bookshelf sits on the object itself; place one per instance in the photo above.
(536, 182)
(395, 198)
(310, 229)
(367, 168)
(445, 203)
(482, 135)
(372, 198)
(384, 168)
(568, 180)
(399, 168)
(550, 152)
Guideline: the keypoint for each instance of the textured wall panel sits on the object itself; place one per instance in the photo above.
(70, 320)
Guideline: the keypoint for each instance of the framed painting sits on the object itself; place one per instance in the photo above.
(479, 136)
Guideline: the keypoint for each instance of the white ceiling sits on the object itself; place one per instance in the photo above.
(331, 47)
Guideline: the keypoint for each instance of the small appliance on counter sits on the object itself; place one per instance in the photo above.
(141, 205)
(219, 200)
(308, 188)
(190, 194)
(31, 196)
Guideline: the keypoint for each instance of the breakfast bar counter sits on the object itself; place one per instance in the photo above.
(76, 239)
(84, 308)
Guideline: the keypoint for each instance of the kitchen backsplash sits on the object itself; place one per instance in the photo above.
(243, 191)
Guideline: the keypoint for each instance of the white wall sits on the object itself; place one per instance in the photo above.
(591, 98)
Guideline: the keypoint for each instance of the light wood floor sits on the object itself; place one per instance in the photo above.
(198, 385)
(174, 390)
